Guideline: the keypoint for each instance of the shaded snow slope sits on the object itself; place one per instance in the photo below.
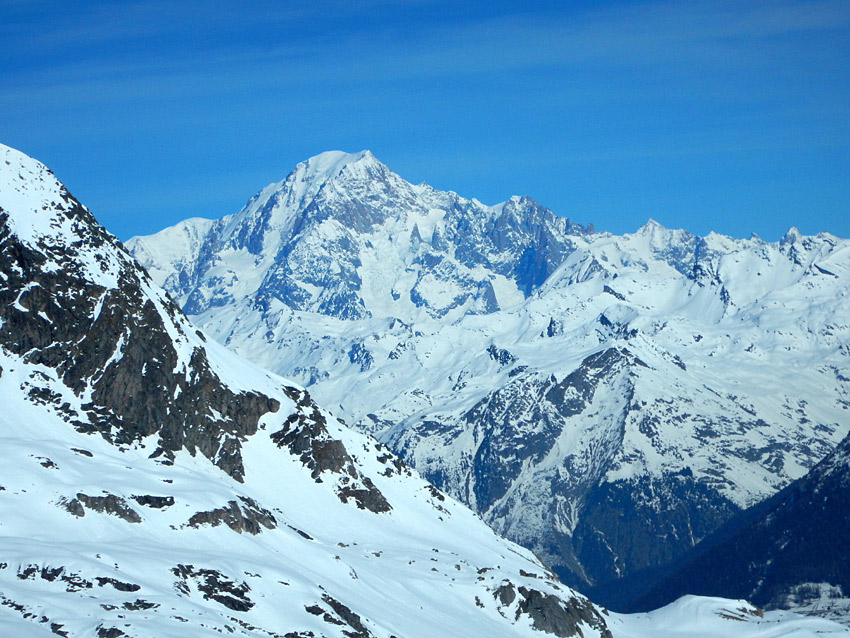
(786, 552)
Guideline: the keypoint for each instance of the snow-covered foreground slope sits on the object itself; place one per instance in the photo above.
(96, 537)
(605, 400)
(700, 617)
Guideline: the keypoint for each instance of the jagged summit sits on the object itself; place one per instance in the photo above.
(310, 176)
(343, 236)
(791, 236)
(650, 225)
(330, 162)
(29, 184)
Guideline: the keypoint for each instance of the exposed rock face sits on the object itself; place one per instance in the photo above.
(247, 516)
(515, 452)
(548, 613)
(158, 502)
(115, 346)
(214, 586)
(109, 504)
(306, 436)
(339, 614)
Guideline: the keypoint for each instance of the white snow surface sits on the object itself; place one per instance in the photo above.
(702, 617)
(423, 555)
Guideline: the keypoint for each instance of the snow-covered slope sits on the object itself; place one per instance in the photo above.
(701, 617)
(154, 484)
(605, 400)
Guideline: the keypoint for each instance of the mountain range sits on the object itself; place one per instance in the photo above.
(607, 401)
(155, 483)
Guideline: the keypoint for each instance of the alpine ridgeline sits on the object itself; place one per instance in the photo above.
(154, 484)
(605, 400)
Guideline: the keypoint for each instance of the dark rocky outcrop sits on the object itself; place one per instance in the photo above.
(214, 586)
(248, 517)
(306, 436)
(118, 344)
(550, 614)
(102, 581)
(341, 615)
(156, 502)
(73, 582)
(108, 504)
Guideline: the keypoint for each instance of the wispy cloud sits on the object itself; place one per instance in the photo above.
(658, 35)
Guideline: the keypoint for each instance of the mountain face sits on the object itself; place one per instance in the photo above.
(786, 552)
(607, 401)
(343, 236)
(155, 484)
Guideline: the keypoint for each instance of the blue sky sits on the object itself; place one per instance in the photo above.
(731, 116)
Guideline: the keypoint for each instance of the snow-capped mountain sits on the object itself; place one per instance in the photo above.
(605, 400)
(345, 237)
(155, 484)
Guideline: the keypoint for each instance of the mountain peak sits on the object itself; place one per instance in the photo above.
(308, 177)
(330, 160)
(791, 236)
(650, 227)
(329, 164)
(27, 183)
(41, 213)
